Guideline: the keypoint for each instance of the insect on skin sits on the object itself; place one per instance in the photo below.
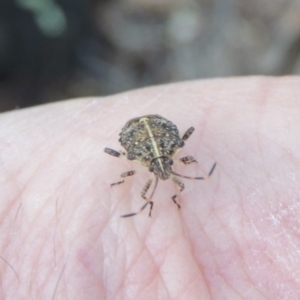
(153, 141)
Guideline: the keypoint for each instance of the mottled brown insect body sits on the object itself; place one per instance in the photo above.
(153, 141)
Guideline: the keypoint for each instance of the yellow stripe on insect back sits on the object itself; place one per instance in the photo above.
(153, 141)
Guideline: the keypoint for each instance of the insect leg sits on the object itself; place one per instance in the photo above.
(188, 133)
(188, 159)
(114, 152)
(197, 178)
(123, 175)
(181, 188)
(148, 200)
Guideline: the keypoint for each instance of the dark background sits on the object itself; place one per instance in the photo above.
(52, 50)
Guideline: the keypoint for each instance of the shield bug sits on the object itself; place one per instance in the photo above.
(153, 141)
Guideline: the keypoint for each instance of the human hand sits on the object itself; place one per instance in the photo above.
(236, 236)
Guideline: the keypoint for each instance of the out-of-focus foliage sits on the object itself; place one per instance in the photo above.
(51, 50)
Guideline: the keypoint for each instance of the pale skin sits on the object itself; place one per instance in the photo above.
(236, 236)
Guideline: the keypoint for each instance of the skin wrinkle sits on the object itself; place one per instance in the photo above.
(271, 261)
(152, 277)
(2, 287)
(167, 289)
(220, 273)
(202, 123)
(157, 96)
(34, 175)
(89, 107)
(137, 258)
(76, 266)
(230, 288)
(17, 276)
(120, 288)
(69, 179)
(88, 252)
(240, 251)
(246, 270)
(292, 234)
(81, 257)
(61, 142)
(36, 153)
(276, 192)
(161, 275)
(105, 278)
(23, 242)
(161, 280)
(151, 256)
(269, 175)
(54, 233)
(288, 235)
(195, 259)
(158, 268)
(143, 290)
(190, 284)
(35, 220)
(242, 264)
(217, 264)
(199, 267)
(274, 142)
(34, 272)
(48, 229)
(260, 112)
(40, 258)
(6, 212)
